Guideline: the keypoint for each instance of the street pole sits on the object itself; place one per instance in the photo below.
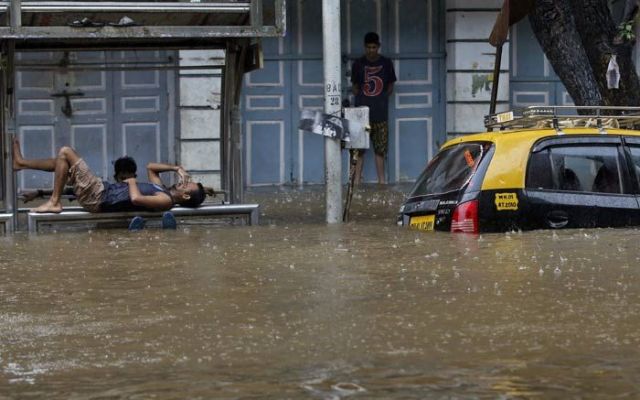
(332, 105)
(496, 81)
(10, 123)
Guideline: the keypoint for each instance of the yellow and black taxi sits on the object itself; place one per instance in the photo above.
(541, 168)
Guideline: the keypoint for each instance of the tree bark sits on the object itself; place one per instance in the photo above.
(577, 37)
(555, 28)
(597, 29)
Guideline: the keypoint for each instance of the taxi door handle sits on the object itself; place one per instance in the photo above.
(557, 219)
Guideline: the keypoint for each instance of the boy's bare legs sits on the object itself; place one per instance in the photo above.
(358, 167)
(66, 158)
(46, 164)
(60, 165)
(380, 169)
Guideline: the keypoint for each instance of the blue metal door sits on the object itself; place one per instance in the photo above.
(267, 121)
(89, 101)
(292, 80)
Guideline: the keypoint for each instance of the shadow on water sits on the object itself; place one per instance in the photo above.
(294, 308)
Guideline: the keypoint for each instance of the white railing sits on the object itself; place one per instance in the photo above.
(129, 6)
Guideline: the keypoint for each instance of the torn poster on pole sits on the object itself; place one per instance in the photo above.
(324, 124)
(358, 118)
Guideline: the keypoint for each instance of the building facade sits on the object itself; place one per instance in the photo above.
(440, 51)
(412, 35)
(444, 65)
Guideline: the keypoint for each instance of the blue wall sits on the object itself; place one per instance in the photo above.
(412, 35)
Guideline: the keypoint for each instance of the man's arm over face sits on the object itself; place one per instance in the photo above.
(159, 201)
(154, 170)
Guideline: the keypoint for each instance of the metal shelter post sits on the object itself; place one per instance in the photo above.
(332, 105)
(231, 128)
(256, 13)
(9, 129)
(8, 97)
(496, 79)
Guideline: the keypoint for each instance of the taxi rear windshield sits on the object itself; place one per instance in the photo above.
(450, 169)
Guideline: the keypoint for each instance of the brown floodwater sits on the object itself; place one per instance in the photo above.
(294, 308)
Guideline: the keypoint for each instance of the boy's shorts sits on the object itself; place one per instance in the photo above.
(380, 137)
(87, 187)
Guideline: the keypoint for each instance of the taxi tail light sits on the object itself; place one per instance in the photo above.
(465, 217)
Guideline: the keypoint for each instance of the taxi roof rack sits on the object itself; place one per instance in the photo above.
(559, 117)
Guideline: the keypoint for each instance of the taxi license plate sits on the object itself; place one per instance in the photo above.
(423, 222)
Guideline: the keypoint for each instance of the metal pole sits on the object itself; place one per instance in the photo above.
(332, 105)
(281, 16)
(256, 13)
(10, 194)
(15, 13)
(496, 79)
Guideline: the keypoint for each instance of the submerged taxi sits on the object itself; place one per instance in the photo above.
(543, 168)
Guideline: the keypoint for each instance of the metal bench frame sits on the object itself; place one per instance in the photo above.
(73, 214)
(6, 220)
(235, 26)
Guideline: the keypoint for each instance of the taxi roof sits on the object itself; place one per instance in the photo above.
(532, 134)
(520, 129)
(540, 121)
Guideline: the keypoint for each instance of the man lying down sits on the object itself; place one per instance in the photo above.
(127, 194)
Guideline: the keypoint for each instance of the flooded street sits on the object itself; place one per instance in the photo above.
(297, 309)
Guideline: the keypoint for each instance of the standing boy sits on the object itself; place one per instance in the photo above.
(372, 78)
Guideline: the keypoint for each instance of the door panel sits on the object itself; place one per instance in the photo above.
(266, 112)
(141, 107)
(633, 154)
(37, 116)
(547, 209)
(414, 32)
(142, 141)
(270, 153)
(580, 185)
(37, 143)
(86, 123)
(94, 106)
(90, 142)
(411, 35)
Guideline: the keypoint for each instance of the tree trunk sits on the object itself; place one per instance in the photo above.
(555, 28)
(577, 37)
(597, 29)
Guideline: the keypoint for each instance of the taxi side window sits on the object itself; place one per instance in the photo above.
(450, 169)
(576, 168)
(635, 158)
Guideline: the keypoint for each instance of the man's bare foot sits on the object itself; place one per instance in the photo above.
(48, 207)
(17, 155)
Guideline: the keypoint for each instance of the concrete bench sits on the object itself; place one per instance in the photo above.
(250, 211)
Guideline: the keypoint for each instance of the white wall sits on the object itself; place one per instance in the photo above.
(470, 62)
(200, 97)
